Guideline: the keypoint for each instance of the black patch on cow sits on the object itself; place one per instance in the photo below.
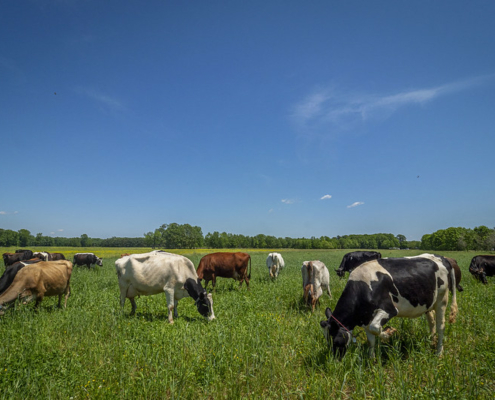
(440, 282)
(198, 293)
(414, 278)
(395, 299)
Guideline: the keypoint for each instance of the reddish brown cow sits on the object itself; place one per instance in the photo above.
(457, 272)
(224, 265)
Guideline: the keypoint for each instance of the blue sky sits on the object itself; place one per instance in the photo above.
(286, 118)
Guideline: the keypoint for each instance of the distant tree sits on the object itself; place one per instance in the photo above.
(85, 240)
(25, 238)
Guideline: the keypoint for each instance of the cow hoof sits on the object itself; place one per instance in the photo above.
(388, 332)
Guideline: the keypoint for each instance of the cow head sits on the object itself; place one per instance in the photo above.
(99, 261)
(204, 300)
(478, 271)
(335, 334)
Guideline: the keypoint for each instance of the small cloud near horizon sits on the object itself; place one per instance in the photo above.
(8, 213)
(326, 197)
(288, 201)
(355, 204)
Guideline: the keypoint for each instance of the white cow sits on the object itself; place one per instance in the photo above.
(315, 278)
(157, 272)
(275, 264)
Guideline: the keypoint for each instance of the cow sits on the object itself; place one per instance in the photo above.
(57, 256)
(157, 272)
(36, 281)
(379, 290)
(45, 256)
(354, 259)
(457, 273)
(87, 259)
(275, 264)
(27, 253)
(316, 278)
(11, 258)
(224, 265)
(10, 272)
(123, 255)
(482, 266)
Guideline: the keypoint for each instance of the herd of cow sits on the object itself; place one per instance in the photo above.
(377, 289)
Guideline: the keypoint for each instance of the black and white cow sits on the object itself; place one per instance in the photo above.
(381, 289)
(482, 266)
(43, 255)
(354, 259)
(87, 259)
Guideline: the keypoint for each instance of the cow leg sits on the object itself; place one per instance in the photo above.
(170, 305)
(381, 318)
(67, 294)
(440, 320)
(213, 281)
(247, 281)
(133, 304)
(430, 317)
(371, 343)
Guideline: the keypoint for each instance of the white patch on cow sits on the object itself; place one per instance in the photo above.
(320, 278)
(375, 327)
(367, 272)
(275, 263)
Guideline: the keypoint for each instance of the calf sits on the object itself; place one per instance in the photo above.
(224, 265)
(35, 281)
(315, 278)
(381, 289)
(159, 272)
(275, 264)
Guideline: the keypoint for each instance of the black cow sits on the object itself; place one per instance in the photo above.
(11, 258)
(10, 272)
(28, 254)
(482, 266)
(87, 259)
(391, 287)
(355, 259)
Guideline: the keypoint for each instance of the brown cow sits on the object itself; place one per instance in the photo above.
(56, 256)
(35, 281)
(457, 272)
(224, 265)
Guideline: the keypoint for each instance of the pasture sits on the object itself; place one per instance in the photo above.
(264, 343)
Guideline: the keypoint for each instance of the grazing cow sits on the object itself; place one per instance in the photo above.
(482, 266)
(355, 259)
(10, 272)
(381, 289)
(11, 258)
(275, 264)
(224, 265)
(157, 272)
(35, 281)
(87, 259)
(57, 256)
(45, 256)
(315, 278)
(27, 253)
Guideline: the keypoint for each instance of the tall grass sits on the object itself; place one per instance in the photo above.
(264, 343)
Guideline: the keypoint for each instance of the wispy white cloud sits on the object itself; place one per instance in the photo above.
(288, 201)
(9, 213)
(60, 230)
(3, 212)
(328, 106)
(102, 99)
(355, 204)
(327, 196)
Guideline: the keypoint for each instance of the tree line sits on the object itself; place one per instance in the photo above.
(185, 236)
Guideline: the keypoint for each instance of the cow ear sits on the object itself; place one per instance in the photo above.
(328, 313)
(323, 324)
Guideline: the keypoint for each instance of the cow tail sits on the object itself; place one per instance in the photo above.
(453, 305)
(249, 275)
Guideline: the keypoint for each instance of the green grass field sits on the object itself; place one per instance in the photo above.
(264, 342)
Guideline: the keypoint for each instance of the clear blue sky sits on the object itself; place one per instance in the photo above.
(286, 118)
